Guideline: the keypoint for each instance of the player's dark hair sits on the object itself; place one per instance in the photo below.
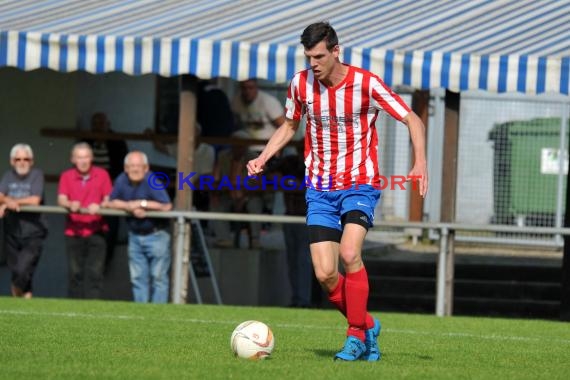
(317, 32)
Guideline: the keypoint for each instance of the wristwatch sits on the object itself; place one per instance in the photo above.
(144, 203)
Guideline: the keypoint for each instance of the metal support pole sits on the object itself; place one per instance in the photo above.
(202, 242)
(177, 283)
(449, 273)
(561, 176)
(441, 265)
(195, 285)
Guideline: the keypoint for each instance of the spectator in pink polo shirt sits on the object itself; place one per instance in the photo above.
(81, 190)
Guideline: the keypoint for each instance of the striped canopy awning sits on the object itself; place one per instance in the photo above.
(494, 45)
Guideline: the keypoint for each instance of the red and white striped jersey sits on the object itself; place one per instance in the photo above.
(341, 141)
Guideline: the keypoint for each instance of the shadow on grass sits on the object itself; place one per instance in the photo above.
(406, 355)
(325, 353)
(385, 356)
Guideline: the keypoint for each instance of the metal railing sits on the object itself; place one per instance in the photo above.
(445, 231)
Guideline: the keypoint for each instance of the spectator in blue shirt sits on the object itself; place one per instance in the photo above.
(149, 239)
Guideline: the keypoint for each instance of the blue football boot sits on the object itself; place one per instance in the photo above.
(353, 349)
(372, 352)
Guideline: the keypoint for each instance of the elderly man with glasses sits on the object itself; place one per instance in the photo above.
(24, 232)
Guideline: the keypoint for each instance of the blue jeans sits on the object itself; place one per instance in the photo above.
(149, 264)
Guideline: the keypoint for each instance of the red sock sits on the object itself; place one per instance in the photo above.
(356, 295)
(336, 297)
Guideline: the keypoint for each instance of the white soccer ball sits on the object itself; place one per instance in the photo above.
(252, 340)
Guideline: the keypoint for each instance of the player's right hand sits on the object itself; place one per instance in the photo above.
(255, 166)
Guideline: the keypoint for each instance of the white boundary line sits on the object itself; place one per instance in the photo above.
(283, 325)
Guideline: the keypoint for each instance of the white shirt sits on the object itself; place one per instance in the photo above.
(258, 116)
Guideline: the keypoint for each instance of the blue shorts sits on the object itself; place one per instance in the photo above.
(325, 208)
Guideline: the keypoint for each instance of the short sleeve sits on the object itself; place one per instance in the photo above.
(63, 186)
(155, 193)
(37, 183)
(293, 104)
(160, 195)
(385, 99)
(107, 184)
(116, 192)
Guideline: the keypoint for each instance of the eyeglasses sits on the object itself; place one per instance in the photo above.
(27, 159)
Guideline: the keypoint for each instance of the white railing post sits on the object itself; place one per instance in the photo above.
(178, 256)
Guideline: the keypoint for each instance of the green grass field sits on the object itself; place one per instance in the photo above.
(63, 339)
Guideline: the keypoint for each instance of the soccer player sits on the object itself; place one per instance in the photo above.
(341, 104)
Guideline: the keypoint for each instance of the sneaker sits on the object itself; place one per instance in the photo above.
(372, 352)
(353, 349)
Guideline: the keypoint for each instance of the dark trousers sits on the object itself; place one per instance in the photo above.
(86, 259)
(23, 255)
(299, 262)
(111, 239)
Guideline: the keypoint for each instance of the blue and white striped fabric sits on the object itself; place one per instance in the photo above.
(494, 45)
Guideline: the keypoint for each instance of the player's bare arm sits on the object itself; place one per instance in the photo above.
(417, 134)
(280, 138)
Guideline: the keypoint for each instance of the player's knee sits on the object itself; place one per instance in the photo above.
(349, 255)
(348, 250)
(351, 261)
(326, 277)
